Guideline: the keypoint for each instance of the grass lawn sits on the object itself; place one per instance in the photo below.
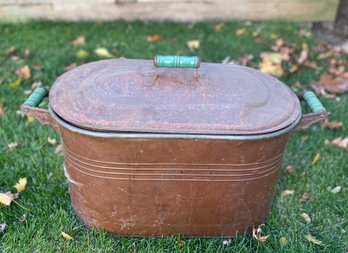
(47, 196)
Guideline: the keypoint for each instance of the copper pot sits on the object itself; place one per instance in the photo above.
(177, 150)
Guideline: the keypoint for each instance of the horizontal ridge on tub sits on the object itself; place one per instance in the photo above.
(167, 171)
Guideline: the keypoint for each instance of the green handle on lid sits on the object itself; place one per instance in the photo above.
(36, 97)
(172, 61)
(313, 102)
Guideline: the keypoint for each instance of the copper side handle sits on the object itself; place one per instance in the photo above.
(318, 111)
(30, 108)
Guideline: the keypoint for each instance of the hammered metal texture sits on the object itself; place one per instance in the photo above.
(134, 96)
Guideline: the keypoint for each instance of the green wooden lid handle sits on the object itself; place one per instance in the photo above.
(36, 97)
(313, 102)
(172, 61)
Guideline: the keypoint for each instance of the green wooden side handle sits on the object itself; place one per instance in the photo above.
(313, 102)
(36, 97)
(172, 61)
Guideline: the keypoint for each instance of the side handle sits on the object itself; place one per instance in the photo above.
(318, 111)
(30, 108)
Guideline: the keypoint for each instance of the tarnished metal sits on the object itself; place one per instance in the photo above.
(174, 156)
(121, 96)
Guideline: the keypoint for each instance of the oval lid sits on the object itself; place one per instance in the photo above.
(123, 95)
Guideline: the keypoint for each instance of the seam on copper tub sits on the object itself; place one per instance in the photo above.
(159, 172)
(276, 157)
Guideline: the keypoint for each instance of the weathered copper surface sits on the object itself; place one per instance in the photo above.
(171, 186)
(134, 96)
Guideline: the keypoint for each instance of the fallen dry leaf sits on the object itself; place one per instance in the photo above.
(240, 31)
(326, 54)
(305, 197)
(11, 51)
(305, 217)
(66, 236)
(341, 142)
(102, 52)
(257, 234)
(82, 54)
(20, 186)
(218, 27)
(287, 193)
(332, 124)
(15, 84)
(245, 59)
(2, 227)
(312, 239)
(81, 40)
(154, 38)
(289, 169)
(24, 72)
(335, 190)
(51, 141)
(12, 145)
(2, 109)
(7, 198)
(315, 159)
(36, 67)
(30, 119)
(303, 56)
(70, 66)
(226, 242)
(271, 64)
(331, 84)
(193, 44)
(59, 149)
(283, 241)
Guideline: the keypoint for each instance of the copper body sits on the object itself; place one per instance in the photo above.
(171, 186)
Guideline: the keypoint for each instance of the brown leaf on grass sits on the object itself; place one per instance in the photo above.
(193, 44)
(311, 64)
(332, 124)
(12, 145)
(315, 159)
(341, 142)
(289, 169)
(20, 186)
(58, 149)
(2, 109)
(326, 54)
(51, 141)
(66, 236)
(305, 197)
(258, 236)
(240, 31)
(245, 59)
(24, 72)
(218, 27)
(303, 56)
(70, 66)
(287, 193)
(7, 198)
(36, 67)
(81, 40)
(305, 217)
(11, 51)
(154, 38)
(312, 239)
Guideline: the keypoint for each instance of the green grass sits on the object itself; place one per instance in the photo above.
(47, 194)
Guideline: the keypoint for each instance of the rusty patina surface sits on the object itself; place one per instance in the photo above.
(134, 96)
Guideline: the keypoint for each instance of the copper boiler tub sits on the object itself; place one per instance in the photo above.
(169, 151)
